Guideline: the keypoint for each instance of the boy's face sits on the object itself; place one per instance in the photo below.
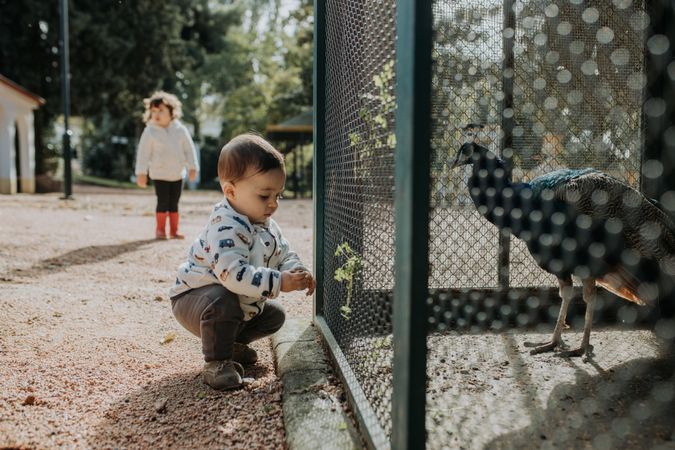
(160, 115)
(256, 196)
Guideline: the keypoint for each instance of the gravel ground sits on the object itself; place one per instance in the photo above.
(90, 354)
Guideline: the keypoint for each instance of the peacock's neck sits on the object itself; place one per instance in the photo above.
(489, 177)
(487, 184)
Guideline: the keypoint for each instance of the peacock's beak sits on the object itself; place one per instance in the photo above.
(455, 163)
(462, 156)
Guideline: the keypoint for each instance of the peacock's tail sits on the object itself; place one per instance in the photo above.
(622, 283)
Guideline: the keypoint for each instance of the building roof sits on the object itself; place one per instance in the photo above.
(302, 123)
(36, 99)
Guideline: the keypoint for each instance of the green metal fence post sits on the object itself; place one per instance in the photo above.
(412, 161)
(319, 76)
(508, 122)
(658, 109)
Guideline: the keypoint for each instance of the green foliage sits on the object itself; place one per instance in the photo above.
(104, 155)
(348, 271)
(156, 45)
(201, 50)
(277, 68)
(294, 89)
(119, 53)
(379, 109)
(376, 136)
(210, 151)
(305, 156)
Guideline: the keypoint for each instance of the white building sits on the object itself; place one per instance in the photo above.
(17, 137)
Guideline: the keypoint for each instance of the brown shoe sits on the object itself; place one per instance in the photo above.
(243, 354)
(223, 375)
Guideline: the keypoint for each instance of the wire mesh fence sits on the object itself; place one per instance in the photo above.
(359, 161)
(542, 87)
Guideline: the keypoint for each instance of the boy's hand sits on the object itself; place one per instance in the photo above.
(192, 174)
(311, 284)
(296, 280)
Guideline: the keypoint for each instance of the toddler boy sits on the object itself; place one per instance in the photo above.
(239, 262)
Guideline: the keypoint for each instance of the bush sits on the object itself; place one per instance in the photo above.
(109, 150)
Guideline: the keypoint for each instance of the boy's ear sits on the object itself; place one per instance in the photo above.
(228, 189)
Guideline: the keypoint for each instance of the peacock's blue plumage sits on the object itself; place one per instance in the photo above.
(557, 178)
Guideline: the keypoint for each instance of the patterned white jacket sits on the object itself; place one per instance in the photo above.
(246, 258)
(166, 152)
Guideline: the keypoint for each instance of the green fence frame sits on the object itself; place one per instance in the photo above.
(412, 156)
(411, 206)
(413, 132)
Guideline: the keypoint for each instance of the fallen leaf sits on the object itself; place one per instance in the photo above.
(159, 298)
(168, 338)
(342, 426)
(29, 400)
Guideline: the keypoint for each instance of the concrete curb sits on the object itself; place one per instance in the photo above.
(313, 417)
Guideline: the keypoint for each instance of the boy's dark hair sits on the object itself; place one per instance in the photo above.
(247, 152)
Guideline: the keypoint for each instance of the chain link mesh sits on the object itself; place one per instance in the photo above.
(577, 73)
(359, 180)
(567, 93)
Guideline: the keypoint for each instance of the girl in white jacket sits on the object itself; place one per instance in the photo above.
(165, 151)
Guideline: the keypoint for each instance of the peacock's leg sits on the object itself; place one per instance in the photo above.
(566, 293)
(590, 294)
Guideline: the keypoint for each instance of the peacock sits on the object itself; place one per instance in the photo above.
(579, 222)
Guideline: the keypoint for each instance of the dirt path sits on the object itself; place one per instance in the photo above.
(85, 317)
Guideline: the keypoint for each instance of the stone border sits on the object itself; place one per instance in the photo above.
(313, 417)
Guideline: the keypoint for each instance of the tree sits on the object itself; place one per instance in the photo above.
(279, 79)
(584, 56)
(28, 55)
(120, 52)
(168, 46)
(215, 55)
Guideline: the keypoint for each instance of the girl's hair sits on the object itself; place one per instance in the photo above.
(247, 152)
(160, 97)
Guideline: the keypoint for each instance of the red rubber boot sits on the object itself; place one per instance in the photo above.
(173, 226)
(160, 231)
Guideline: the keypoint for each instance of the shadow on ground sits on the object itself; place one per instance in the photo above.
(85, 255)
(629, 406)
(182, 412)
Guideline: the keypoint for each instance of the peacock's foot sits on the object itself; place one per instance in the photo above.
(538, 348)
(586, 352)
(541, 347)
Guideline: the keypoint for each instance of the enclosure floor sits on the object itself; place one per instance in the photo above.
(485, 391)
(463, 251)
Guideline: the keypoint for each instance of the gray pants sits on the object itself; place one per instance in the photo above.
(212, 313)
